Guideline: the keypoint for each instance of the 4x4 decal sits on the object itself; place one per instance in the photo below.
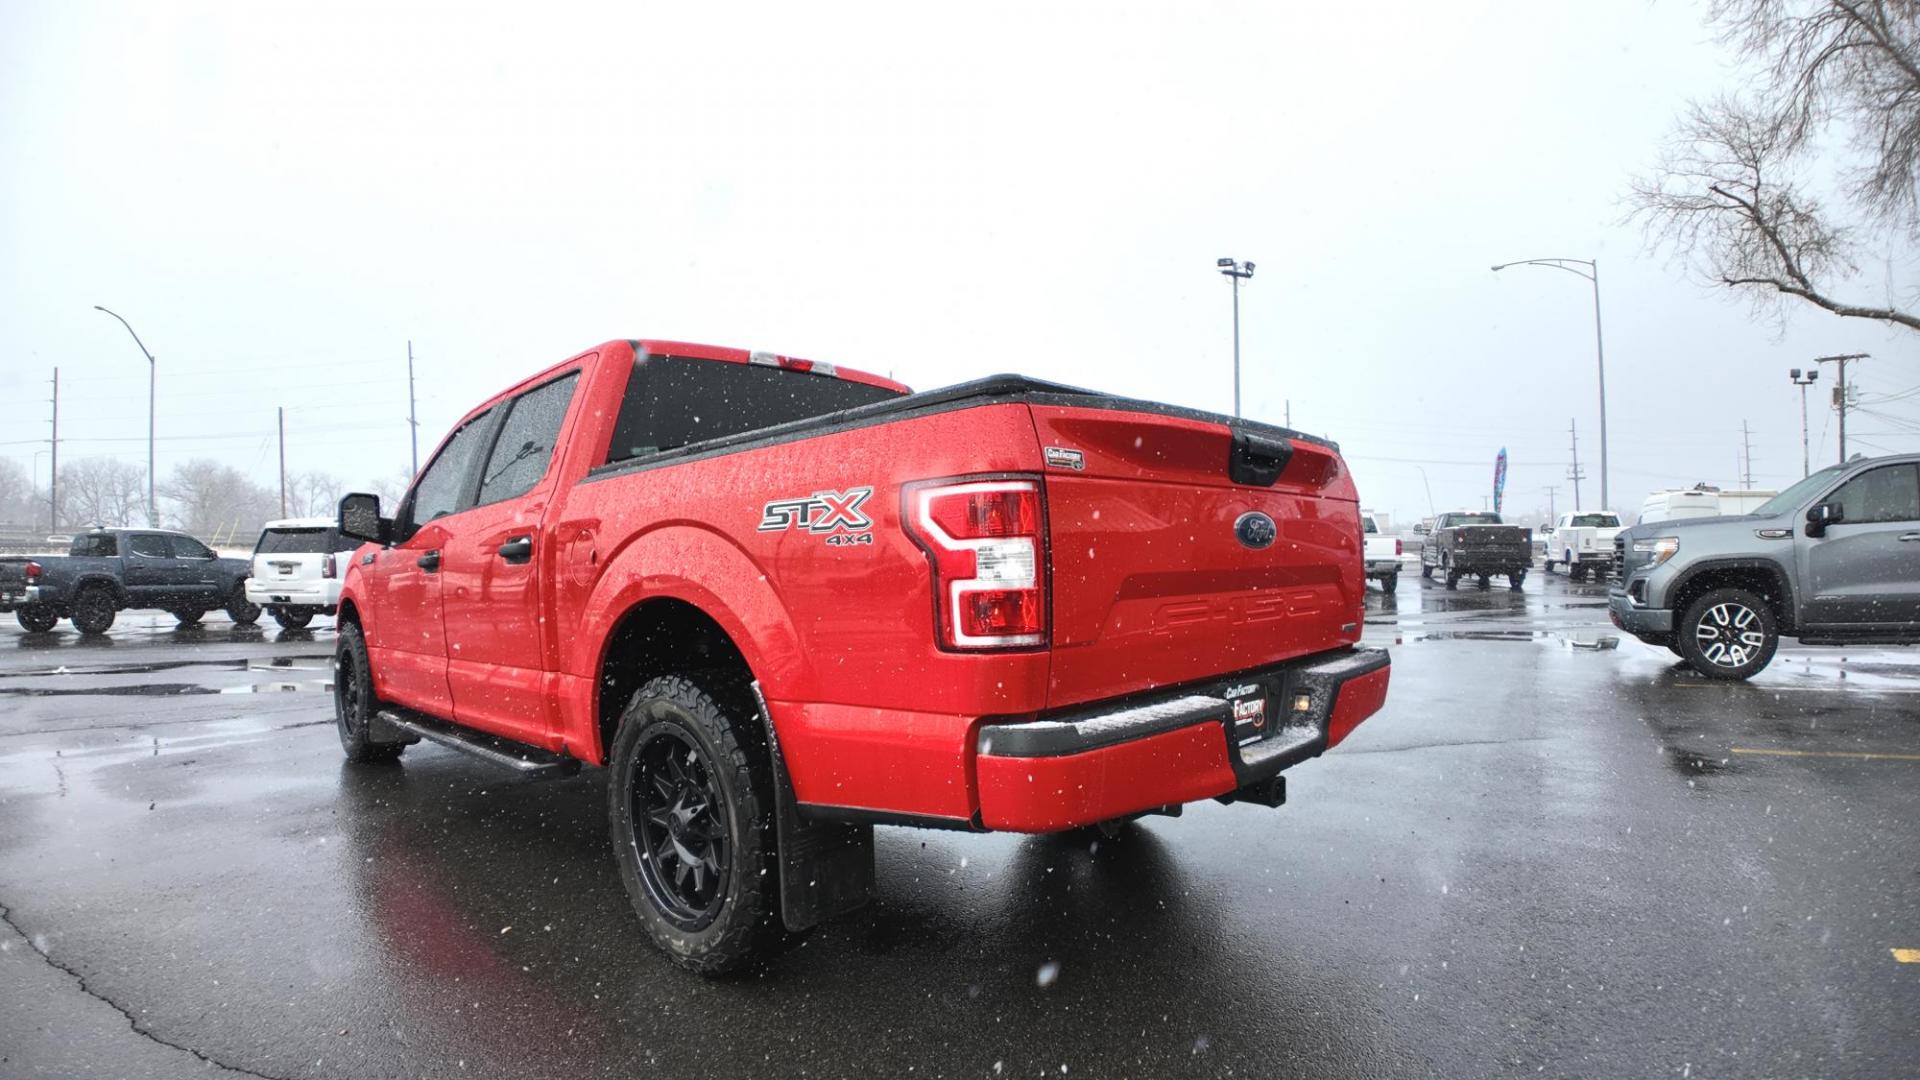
(822, 513)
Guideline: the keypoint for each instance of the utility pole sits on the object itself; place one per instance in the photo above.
(413, 418)
(1574, 472)
(1746, 457)
(1812, 376)
(53, 479)
(1552, 516)
(1840, 393)
(283, 460)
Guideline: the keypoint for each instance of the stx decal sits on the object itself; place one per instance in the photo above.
(820, 513)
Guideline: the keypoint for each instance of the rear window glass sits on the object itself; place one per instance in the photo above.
(1595, 521)
(1476, 519)
(676, 401)
(95, 546)
(302, 542)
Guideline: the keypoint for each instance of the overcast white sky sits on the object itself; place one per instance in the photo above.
(279, 198)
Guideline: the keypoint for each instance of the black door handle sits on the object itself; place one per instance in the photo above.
(517, 550)
(430, 562)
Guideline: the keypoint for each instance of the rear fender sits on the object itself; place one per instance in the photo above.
(700, 567)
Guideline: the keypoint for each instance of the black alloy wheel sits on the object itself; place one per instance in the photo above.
(681, 826)
(690, 806)
(354, 703)
(93, 611)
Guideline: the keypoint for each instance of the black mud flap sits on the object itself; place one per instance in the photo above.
(826, 867)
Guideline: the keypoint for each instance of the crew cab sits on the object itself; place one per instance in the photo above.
(783, 602)
(1383, 555)
(298, 564)
(1470, 543)
(106, 571)
(1582, 541)
(1832, 560)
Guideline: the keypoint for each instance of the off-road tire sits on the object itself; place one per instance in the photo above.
(93, 610)
(241, 610)
(291, 620)
(187, 616)
(354, 705)
(36, 618)
(1727, 634)
(730, 763)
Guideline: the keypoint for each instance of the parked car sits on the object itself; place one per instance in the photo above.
(1582, 541)
(1832, 560)
(1383, 555)
(106, 571)
(783, 602)
(298, 566)
(1472, 543)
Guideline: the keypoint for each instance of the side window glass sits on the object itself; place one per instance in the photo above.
(186, 547)
(1881, 495)
(442, 489)
(149, 546)
(524, 447)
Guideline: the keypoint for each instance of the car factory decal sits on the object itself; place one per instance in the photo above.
(833, 514)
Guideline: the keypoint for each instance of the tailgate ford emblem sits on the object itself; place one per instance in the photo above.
(1255, 529)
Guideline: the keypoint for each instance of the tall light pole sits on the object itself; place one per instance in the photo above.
(1812, 376)
(1239, 272)
(1592, 274)
(153, 508)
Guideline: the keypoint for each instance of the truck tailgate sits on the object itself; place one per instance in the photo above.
(1153, 583)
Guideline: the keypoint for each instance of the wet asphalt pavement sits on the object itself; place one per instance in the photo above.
(1552, 853)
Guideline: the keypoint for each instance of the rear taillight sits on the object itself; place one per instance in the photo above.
(33, 572)
(983, 539)
(1397, 549)
(326, 565)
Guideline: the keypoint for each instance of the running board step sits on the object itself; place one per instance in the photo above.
(528, 761)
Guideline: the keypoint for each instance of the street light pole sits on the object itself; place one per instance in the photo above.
(153, 508)
(1238, 271)
(1592, 274)
(1812, 376)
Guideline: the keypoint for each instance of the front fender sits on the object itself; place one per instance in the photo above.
(697, 565)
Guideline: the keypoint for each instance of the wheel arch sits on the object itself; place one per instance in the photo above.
(665, 635)
(1761, 576)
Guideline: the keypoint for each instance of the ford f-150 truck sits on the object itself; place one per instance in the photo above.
(108, 570)
(783, 603)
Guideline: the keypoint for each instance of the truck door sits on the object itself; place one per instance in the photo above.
(148, 570)
(406, 633)
(1866, 570)
(497, 662)
(194, 575)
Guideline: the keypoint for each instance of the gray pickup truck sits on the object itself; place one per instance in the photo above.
(1476, 544)
(1832, 560)
(108, 570)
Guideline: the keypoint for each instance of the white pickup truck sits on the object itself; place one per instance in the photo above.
(1582, 541)
(1383, 556)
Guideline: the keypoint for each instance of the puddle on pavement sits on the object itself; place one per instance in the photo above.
(1692, 763)
(1576, 640)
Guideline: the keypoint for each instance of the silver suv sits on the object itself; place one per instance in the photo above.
(1832, 560)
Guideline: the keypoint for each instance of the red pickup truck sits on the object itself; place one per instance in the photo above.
(784, 602)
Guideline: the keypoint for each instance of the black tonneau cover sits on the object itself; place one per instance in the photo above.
(990, 390)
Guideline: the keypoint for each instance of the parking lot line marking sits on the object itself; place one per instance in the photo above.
(1906, 956)
(1855, 754)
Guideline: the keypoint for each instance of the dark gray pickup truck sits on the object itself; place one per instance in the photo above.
(108, 570)
(1832, 560)
(1476, 544)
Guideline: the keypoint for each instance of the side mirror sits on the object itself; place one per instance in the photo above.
(360, 518)
(1821, 515)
